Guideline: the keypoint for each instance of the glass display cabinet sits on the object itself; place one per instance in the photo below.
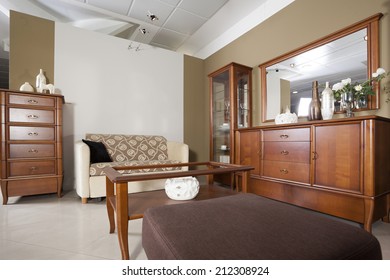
(230, 108)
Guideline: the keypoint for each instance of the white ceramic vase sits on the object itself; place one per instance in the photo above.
(327, 103)
(40, 81)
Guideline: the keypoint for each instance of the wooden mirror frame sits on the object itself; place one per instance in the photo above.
(372, 25)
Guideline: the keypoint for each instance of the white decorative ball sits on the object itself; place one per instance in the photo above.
(184, 188)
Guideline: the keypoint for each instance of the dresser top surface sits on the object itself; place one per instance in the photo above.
(318, 122)
(33, 93)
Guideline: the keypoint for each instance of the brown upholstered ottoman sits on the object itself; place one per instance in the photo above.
(247, 226)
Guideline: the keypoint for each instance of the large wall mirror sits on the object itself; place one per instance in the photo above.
(352, 52)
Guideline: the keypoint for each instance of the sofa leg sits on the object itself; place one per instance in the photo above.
(84, 200)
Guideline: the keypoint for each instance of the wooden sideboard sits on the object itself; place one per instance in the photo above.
(31, 143)
(338, 167)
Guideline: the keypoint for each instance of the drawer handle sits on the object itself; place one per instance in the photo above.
(284, 136)
(32, 116)
(284, 152)
(33, 134)
(284, 171)
(32, 101)
(33, 151)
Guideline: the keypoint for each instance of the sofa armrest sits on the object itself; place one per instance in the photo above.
(82, 164)
(178, 151)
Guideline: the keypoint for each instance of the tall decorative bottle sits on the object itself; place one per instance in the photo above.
(40, 81)
(315, 105)
(327, 103)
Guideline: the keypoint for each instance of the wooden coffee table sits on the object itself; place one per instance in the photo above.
(125, 206)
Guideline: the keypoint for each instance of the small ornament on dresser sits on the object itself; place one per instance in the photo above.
(315, 105)
(41, 85)
(40, 80)
(287, 117)
(327, 103)
(26, 87)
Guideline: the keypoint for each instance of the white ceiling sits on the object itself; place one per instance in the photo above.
(194, 27)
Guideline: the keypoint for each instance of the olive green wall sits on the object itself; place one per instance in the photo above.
(32, 48)
(196, 113)
(300, 23)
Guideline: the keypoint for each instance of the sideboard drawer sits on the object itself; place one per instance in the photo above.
(31, 116)
(28, 168)
(296, 134)
(31, 150)
(31, 133)
(31, 100)
(287, 151)
(291, 171)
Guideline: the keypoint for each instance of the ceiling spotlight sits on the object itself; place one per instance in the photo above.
(152, 17)
(143, 31)
(292, 65)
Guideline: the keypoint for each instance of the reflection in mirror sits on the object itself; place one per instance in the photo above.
(342, 58)
(349, 53)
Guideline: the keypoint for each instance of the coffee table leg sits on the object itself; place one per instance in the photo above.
(122, 218)
(245, 179)
(110, 209)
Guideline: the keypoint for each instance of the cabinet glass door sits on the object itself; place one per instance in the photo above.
(230, 99)
(221, 117)
(243, 108)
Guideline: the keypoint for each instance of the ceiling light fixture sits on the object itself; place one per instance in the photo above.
(143, 31)
(152, 16)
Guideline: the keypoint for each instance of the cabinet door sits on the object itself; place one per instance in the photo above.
(248, 149)
(338, 157)
(221, 121)
(230, 108)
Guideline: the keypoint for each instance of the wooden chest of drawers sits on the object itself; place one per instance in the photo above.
(286, 154)
(31, 143)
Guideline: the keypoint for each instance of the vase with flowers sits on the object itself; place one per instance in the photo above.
(355, 95)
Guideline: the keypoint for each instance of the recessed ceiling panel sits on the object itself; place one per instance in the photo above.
(116, 6)
(141, 8)
(171, 2)
(168, 39)
(184, 22)
(204, 8)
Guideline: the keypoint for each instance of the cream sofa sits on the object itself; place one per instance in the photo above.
(123, 150)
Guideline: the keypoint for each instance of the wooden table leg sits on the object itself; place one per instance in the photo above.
(110, 209)
(245, 180)
(122, 219)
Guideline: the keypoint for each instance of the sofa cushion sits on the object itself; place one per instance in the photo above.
(98, 152)
(132, 147)
(96, 169)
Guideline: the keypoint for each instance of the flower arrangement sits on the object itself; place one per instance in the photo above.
(359, 90)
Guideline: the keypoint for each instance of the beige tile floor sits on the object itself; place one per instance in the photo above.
(44, 227)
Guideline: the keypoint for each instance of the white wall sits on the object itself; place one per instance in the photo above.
(110, 89)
